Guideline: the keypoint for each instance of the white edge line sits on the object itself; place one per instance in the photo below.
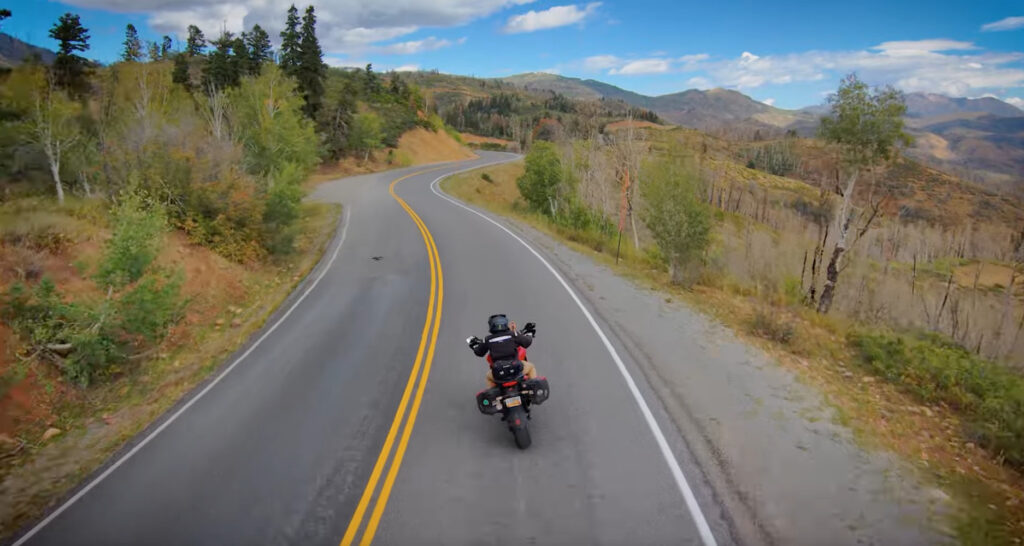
(172, 418)
(684, 487)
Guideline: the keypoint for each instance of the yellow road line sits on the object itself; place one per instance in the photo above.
(432, 317)
(385, 492)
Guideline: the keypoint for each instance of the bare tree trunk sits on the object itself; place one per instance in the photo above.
(55, 173)
(832, 272)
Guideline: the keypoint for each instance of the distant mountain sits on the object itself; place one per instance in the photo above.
(14, 51)
(923, 105)
(715, 108)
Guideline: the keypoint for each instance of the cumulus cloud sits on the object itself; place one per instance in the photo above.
(344, 26)
(556, 16)
(416, 46)
(945, 66)
(643, 66)
(769, 102)
(1010, 23)
(698, 82)
(1016, 101)
(601, 62)
(407, 68)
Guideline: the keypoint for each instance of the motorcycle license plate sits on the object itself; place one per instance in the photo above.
(513, 401)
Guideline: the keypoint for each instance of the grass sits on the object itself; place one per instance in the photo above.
(987, 495)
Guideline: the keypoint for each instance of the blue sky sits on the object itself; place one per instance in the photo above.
(788, 53)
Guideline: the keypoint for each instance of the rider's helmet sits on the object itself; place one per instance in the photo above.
(497, 324)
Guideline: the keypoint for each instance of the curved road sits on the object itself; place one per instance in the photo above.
(305, 438)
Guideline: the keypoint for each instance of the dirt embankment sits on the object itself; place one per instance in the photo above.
(418, 146)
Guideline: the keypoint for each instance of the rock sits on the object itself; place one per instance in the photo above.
(927, 411)
(50, 433)
(220, 322)
(868, 379)
(969, 445)
(847, 374)
(236, 323)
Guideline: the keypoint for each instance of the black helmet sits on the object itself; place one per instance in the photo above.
(497, 323)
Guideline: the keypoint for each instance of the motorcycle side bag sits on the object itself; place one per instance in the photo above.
(538, 389)
(487, 401)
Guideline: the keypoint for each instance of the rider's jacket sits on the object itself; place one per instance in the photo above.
(503, 345)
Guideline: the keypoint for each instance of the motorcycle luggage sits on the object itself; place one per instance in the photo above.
(506, 370)
(537, 389)
(487, 401)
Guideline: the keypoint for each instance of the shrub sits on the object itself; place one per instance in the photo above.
(539, 184)
(676, 215)
(989, 396)
(770, 326)
(150, 307)
(138, 231)
(487, 178)
(283, 201)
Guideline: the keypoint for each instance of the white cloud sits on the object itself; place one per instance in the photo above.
(944, 66)
(344, 26)
(694, 58)
(556, 16)
(601, 62)
(1010, 23)
(339, 62)
(769, 102)
(643, 66)
(698, 82)
(1016, 101)
(550, 71)
(416, 46)
(921, 47)
(408, 68)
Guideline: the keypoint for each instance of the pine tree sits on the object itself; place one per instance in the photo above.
(311, 71)
(221, 70)
(180, 74)
(153, 50)
(4, 14)
(165, 47)
(291, 52)
(239, 62)
(132, 45)
(196, 41)
(258, 43)
(69, 67)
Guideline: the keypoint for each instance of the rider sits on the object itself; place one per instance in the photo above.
(503, 343)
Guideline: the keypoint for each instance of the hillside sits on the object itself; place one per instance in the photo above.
(979, 139)
(14, 51)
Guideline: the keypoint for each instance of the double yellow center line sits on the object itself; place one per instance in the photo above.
(424, 358)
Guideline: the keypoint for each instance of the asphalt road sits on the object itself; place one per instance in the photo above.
(281, 447)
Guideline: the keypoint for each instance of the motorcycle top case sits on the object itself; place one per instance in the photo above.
(487, 401)
(506, 370)
(538, 389)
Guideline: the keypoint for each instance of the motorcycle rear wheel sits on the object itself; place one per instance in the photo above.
(522, 436)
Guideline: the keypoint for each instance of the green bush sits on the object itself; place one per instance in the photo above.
(487, 178)
(989, 396)
(150, 307)
(540, 183)
(135, 242)
(282, 211)
(88, 339)
(676, 215)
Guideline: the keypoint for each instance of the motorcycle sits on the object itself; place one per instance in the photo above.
(514, 394)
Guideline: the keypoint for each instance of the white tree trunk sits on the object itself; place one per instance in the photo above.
(832, 273)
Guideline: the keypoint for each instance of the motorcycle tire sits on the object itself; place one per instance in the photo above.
(520, 432)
